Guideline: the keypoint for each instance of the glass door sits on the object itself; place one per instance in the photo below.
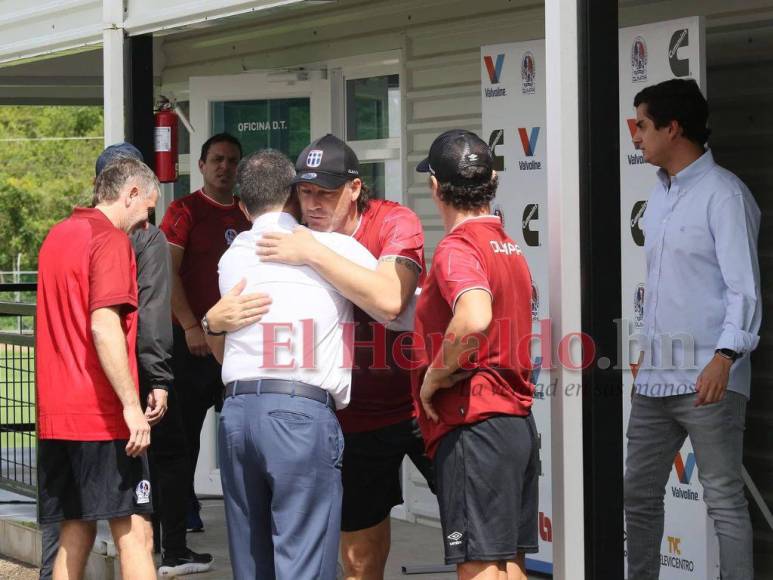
(283, 111)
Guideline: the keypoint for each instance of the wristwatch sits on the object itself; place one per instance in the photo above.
(728, 353)
(207, 330)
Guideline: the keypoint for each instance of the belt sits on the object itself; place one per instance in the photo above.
(280, 387)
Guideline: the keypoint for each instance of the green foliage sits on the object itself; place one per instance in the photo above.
(41, 180)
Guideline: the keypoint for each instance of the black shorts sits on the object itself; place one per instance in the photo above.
(487, 477)
(90, 480)
(371, 472)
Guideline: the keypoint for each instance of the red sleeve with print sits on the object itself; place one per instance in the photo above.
(459, 269)
(401, 234)
(177, 223)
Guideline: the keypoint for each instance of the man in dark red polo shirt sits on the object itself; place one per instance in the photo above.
(93, 432)
(473, 320)
(199, 228)
(379, 424)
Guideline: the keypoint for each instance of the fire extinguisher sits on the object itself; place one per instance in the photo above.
(165, 122)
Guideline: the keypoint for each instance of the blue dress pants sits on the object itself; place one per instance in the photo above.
(280, 465)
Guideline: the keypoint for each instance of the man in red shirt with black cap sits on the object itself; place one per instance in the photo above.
(472, 387)
(379, 424)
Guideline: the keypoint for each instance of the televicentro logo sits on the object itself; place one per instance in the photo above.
(674, 557)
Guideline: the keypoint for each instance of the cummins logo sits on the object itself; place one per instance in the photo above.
(497, 138)
(530, 213)
(679, 66)
(636, 214)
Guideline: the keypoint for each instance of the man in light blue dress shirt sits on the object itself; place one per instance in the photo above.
(702, 318)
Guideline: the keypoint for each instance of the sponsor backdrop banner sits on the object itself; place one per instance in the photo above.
(648, 55)
(513, 104)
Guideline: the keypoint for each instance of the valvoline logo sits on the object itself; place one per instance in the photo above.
(529, 140)
(684, 469)
(494, 68)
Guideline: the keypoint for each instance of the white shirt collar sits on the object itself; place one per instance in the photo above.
(274, 218)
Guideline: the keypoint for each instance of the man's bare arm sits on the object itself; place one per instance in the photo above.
(110, 344)
(472, 316)
(382, 293)
(235, 310)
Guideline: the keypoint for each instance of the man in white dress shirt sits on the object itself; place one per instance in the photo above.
(280, 442)
(702, 319)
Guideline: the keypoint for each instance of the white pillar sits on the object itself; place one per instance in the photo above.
(565, 289)
(113, 70)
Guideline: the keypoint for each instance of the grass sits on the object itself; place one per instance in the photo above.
(17, 394)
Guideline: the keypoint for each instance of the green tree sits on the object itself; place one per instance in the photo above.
(47, 157)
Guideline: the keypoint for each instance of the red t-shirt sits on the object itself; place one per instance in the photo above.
(85, 263)
(477, 254)
(204, 229)
(381, 388)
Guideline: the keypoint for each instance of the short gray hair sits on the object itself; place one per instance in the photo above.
(264, 179)
(115, 175)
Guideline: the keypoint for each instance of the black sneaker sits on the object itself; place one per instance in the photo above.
(188, 563)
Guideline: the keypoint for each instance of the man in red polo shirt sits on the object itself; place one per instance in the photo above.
(200, 227)
(473, 320)
(379, 424)
(93, 432)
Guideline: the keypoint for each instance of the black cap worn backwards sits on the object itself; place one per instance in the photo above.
(328, 162)
(454, 151)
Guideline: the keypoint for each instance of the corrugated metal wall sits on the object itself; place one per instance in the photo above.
(740, 89)
(442, 88)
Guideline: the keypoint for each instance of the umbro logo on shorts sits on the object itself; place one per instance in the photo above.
(455, 538)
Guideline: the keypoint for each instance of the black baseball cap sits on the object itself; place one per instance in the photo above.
(328, 162)
(117, 151)
(456, 150)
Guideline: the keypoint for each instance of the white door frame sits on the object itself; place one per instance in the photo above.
(244, 87)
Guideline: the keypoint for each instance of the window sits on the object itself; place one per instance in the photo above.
(372, 121)
(373, 108)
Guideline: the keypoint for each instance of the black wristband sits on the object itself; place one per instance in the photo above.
(728, 353)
